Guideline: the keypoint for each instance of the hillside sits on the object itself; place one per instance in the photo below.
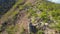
(5, 5)
(30, 17)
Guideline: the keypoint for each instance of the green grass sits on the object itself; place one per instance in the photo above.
(40, 32)
(22, 30)
(12, 12)
(48, 10)
(11, 29)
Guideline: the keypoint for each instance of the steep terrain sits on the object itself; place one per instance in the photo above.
(31, 17)
(5, 5)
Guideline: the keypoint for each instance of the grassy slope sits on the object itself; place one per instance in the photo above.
(11, 13)
(48, 12)
(47, 9)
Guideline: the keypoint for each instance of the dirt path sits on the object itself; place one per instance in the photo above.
(22, 21)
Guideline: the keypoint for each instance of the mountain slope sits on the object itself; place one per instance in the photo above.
(35, 17)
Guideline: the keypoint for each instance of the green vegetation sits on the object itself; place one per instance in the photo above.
(11, 29)
(11, 13)
(40, 32)
(22, 31)
(48, 12)
(43, 9)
